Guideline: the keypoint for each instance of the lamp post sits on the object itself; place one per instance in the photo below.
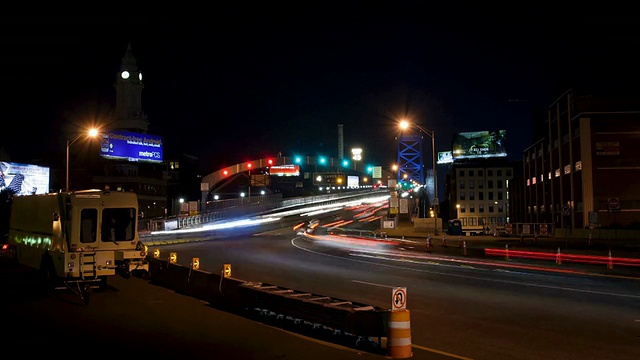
(405, 125)
(91, 133)
(457, 211)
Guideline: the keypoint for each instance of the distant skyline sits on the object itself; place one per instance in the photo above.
(241, 80)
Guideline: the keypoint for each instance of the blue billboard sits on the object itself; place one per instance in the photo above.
(125, 145)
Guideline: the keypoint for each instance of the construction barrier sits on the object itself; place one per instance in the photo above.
(399, 335)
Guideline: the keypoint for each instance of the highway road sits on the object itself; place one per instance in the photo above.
(459, 308)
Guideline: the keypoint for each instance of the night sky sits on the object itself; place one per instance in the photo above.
(228, 81)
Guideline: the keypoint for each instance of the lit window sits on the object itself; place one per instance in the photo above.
(578, 165)
(528, 182)
(533, 180)
(557, 172)
(567, 169)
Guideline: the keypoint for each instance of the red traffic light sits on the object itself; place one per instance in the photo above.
(270, 161)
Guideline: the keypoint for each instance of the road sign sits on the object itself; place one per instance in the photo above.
(543, 229)
(399, 299)
(508, 228)
(614, 204)
(195, 263)
(227, 270)
(566, 210)
(173, 257)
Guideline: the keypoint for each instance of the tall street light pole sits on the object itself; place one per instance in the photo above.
(404, 125)
(91, 133)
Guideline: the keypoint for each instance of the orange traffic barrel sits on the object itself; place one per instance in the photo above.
(399, 335)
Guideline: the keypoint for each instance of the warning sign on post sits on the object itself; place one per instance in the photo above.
(399, 299)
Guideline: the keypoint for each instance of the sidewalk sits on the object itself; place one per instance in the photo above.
(609, 257)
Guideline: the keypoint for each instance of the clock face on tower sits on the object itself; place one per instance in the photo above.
(140, 76)
(125, 74)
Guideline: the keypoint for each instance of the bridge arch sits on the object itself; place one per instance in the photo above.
(213, 180)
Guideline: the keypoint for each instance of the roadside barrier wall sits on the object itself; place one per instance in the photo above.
(230, 293)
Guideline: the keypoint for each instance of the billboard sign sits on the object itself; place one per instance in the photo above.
(479, 144)
(24, 179)
(285, 170)
(125, 145)
(445, 157)
(353, 181)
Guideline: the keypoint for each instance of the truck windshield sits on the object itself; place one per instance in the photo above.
(118, 224)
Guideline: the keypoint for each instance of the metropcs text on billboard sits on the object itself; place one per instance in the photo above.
(124, 145)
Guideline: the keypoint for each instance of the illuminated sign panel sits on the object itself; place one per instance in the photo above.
(124, 145)
(327, 179)
(285, 170)
(479, 144)
(24, 179)
(445, 157)
(353, 181)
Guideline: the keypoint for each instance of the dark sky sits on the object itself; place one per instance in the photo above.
(228, 81)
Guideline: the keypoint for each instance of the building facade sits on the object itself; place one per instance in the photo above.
(585, 171)
(479, 194)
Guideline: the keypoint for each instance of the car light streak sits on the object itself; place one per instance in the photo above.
(577, 258)
(467, 276)
(220, 226)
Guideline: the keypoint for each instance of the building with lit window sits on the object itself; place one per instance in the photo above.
(584, 172)
(479, 193)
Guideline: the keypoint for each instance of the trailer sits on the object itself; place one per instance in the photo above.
(77, 240)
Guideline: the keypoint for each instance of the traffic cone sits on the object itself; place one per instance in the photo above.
(444, 241)
(610, 264)
(429, 244)
(558, 258)
(506, 251)
(464, 248)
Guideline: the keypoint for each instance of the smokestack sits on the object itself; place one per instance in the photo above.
(340, 142)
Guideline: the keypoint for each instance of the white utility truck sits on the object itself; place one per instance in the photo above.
(76, 240)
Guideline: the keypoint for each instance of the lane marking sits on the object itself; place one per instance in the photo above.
(469, 277)
(441, 352)
(373, 284)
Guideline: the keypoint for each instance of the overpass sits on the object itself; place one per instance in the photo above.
(306, 164)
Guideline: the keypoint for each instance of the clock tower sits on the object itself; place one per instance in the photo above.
(129, 115)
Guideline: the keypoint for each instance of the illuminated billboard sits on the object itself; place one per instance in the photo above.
(124, 145)
(284, 170)
(479, 144)
(445, 157)
(353, 181)
(24, 179)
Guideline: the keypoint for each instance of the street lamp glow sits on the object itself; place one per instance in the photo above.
(91, 134)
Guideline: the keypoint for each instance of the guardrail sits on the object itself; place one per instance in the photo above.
(360, 320)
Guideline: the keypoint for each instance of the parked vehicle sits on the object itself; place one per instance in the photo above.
(77, 240)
